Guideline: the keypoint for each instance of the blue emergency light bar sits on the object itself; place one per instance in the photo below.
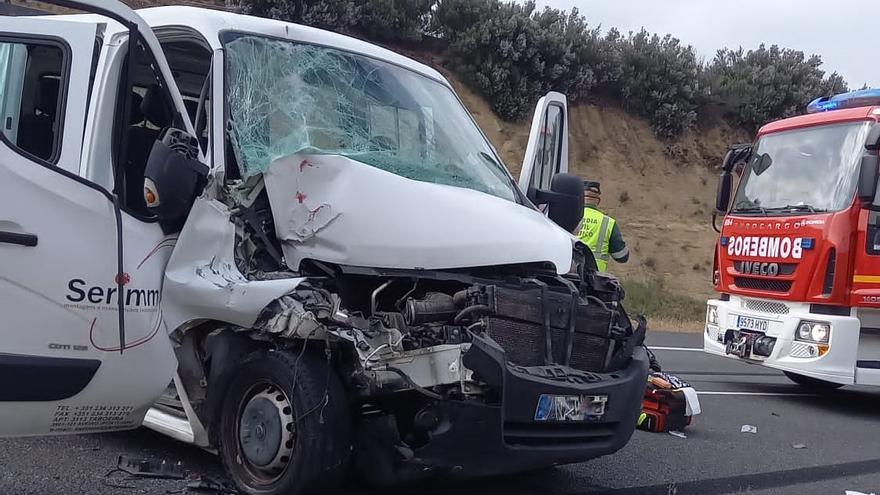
(853, 99)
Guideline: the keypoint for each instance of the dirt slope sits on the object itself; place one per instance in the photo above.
(662, 194)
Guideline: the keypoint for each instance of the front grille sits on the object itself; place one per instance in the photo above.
(522, 342)
(745, 267)
(771, 307)
(524, 345)
(762, 284)
(590, 352)
(556, 434)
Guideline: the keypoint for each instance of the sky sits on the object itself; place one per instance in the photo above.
(843, 32)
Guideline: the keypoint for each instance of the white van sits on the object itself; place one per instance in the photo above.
(295, 248)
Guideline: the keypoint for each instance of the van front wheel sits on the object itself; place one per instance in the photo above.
(285, 424)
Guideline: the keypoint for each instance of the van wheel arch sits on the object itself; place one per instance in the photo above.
(224, 351)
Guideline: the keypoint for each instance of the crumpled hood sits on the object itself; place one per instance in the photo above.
(334, 209)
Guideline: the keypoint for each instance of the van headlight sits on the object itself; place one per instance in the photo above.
(712, 315)
(813, 331)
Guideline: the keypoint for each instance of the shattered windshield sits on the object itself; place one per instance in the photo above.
(286, 97)
(806, 170)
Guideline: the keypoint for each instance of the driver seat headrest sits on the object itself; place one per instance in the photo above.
(155, 109)
(46, 99)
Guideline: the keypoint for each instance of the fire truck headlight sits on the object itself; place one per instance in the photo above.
(712, 315)
(813, 331)
(821, 332)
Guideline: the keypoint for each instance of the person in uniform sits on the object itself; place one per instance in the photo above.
(599, 231)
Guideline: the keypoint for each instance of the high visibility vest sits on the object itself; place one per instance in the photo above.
(595, 232)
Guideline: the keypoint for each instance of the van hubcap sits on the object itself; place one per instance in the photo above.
(265, 431)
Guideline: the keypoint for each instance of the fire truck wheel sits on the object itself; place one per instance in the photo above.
(285, 425)
(812, 383)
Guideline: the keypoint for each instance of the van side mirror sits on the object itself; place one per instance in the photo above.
(173, 178)
(868, 178)
(564, 200)
(722, 195)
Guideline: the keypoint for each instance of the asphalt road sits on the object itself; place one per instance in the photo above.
(839, 429)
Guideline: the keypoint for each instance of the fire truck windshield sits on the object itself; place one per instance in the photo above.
(805, 170)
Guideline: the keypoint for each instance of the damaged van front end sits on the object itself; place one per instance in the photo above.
(474, 372)
(298, 250)
(369, 218)
(462, 345)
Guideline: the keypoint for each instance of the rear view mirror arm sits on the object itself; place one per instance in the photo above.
(735, 154)
(715, 222)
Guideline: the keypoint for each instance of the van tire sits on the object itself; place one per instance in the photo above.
(812, 383)
(264, 448)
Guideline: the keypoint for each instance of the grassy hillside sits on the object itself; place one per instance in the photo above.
(662, 194)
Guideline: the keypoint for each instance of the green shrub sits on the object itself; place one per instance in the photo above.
(765, 84)
(454, 17)
(394, 20)
(659, 80)
(379, 20)
(336, 15)
(513, 54)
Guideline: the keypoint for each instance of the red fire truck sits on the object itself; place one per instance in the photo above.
(797, 262)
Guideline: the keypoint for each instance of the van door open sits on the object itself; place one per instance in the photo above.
(547, 149)
(67, 365)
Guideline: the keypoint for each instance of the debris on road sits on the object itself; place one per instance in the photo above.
(748, 429)
(677, 434)
(669, 404)
(145, 468)
(208, 485)
(112, 482)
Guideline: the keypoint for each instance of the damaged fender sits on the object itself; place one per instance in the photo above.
(202, 281)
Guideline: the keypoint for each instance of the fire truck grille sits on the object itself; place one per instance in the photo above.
(762, 284)
(744, 267)
(772, 307)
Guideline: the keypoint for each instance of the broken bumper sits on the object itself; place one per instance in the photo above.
(476, 439)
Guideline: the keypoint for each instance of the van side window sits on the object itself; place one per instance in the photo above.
(31, 85)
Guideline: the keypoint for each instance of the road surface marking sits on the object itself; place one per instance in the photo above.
(761, 394)
(660, 348)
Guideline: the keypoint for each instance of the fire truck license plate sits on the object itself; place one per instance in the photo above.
(749, 323)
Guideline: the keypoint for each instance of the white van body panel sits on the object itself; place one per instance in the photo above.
(202, 281)
(354, 214)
